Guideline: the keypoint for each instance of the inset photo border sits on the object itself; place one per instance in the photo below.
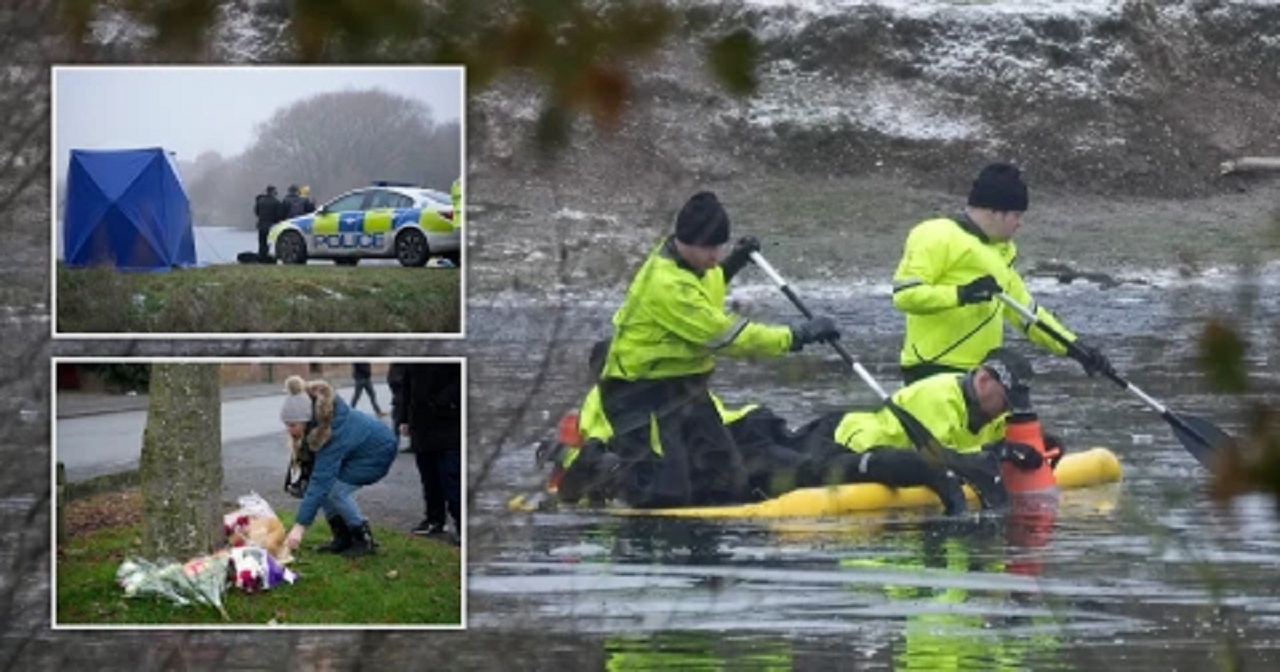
(179, 483)
(258, 201)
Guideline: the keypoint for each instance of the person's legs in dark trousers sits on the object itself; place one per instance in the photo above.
(716, 472)
(651, 481)
(361, 383)
(905, 467)
(981, 470)
(647, 479)
(365, 385)
(450, 464)
(262, 241)
(699, 461)
(428, 460)
(593, 475)
(763, 441)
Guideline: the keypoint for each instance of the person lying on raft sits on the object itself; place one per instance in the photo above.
(965, 412)
(586, 467)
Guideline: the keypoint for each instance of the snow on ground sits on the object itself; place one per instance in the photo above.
(914, 111)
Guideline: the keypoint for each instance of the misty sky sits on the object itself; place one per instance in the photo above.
(192, 110)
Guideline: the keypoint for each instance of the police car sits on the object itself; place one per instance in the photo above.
(385, 221)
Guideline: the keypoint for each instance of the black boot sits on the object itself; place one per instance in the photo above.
(982, 472)
(361, 542)
(341, 536)
(951, 492)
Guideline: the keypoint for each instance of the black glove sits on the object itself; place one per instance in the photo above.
(981, 290)
(820, 328)
(739, 256)
(1091, 358)
(1019, 455)
(1019, 397)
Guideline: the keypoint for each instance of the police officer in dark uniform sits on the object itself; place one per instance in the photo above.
(267, 208)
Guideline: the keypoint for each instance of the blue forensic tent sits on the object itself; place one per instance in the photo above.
(126, 208)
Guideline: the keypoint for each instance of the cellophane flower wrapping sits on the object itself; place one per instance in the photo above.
(256, 524)
(236, 524)
(201, 580)
(254, 569)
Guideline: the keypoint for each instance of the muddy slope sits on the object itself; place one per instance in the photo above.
(1113, 98)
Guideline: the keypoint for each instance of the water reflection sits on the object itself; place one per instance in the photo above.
(934, 583)
(1105, 577)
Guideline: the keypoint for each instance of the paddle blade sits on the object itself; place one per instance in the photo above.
(1200, 437)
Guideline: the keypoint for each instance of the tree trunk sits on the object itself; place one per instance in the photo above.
(181, 466)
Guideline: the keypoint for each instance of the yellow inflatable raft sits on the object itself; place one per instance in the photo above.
(1095, 466)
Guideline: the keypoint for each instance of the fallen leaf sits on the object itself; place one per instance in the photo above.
(393, 574)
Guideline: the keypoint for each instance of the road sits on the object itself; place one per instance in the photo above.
(254, 455)
(105, 443)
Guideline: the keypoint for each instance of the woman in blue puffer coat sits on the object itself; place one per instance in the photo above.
(351, 450)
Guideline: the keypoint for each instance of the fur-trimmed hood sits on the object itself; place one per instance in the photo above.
(350, 447)
(322, 396)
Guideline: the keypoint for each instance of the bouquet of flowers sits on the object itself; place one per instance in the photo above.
(254, 569)
(201, 580)
(256, 524)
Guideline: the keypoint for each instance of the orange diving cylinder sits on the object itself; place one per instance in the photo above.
(1025, 428)
(569, 433)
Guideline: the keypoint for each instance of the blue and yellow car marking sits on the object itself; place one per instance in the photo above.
(362, 230)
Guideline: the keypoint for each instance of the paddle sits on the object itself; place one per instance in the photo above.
(919, 435)
(1200, 437)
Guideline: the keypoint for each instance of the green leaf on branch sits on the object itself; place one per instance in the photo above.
(181, 25)
(1222, 357)
(733, 60)
(553, 128)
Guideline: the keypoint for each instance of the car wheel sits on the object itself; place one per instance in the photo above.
(411, 248)
(290, 249)
(346, 261)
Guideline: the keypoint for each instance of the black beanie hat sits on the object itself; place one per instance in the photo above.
(702, 221)
(1008, 367)
(999, 187)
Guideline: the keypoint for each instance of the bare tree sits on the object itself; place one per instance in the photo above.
(335, 141)
(181, 466)
(442, 152)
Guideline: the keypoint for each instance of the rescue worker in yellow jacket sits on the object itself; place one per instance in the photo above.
(952, 270)
(666, 335)
(762, 438)
(965, 412)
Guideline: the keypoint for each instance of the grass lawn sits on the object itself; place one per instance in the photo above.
(411, 581)
(261, 299)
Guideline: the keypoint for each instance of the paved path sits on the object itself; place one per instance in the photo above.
(102, 434)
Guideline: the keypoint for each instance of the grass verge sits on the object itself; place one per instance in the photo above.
(261, 299)
(411, 581)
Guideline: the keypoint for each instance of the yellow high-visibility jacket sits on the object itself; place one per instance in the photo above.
(673, 323)
(937, 402)
(941, 255)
